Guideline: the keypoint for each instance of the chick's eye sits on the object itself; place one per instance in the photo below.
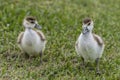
(32, 21)
(88, 24)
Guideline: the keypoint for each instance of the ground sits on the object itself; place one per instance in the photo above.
(61, 22)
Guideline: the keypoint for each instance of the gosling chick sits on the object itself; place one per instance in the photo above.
(32, 42)
(89, 46)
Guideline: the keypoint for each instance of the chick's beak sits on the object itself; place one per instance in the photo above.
(38, 26)
(85, 30)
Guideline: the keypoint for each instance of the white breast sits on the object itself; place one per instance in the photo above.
(31, 42)
(88, 48)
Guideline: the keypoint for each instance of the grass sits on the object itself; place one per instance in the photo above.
(61, 22)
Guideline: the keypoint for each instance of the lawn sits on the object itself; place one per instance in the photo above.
(61, 22)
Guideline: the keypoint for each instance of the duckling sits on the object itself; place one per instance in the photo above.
(89, 46)
(32, 42)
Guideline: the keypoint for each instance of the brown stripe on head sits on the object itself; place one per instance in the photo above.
(30, 19)
(87, 20)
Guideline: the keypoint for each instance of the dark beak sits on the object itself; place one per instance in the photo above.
(38, 26)
(85, 30)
